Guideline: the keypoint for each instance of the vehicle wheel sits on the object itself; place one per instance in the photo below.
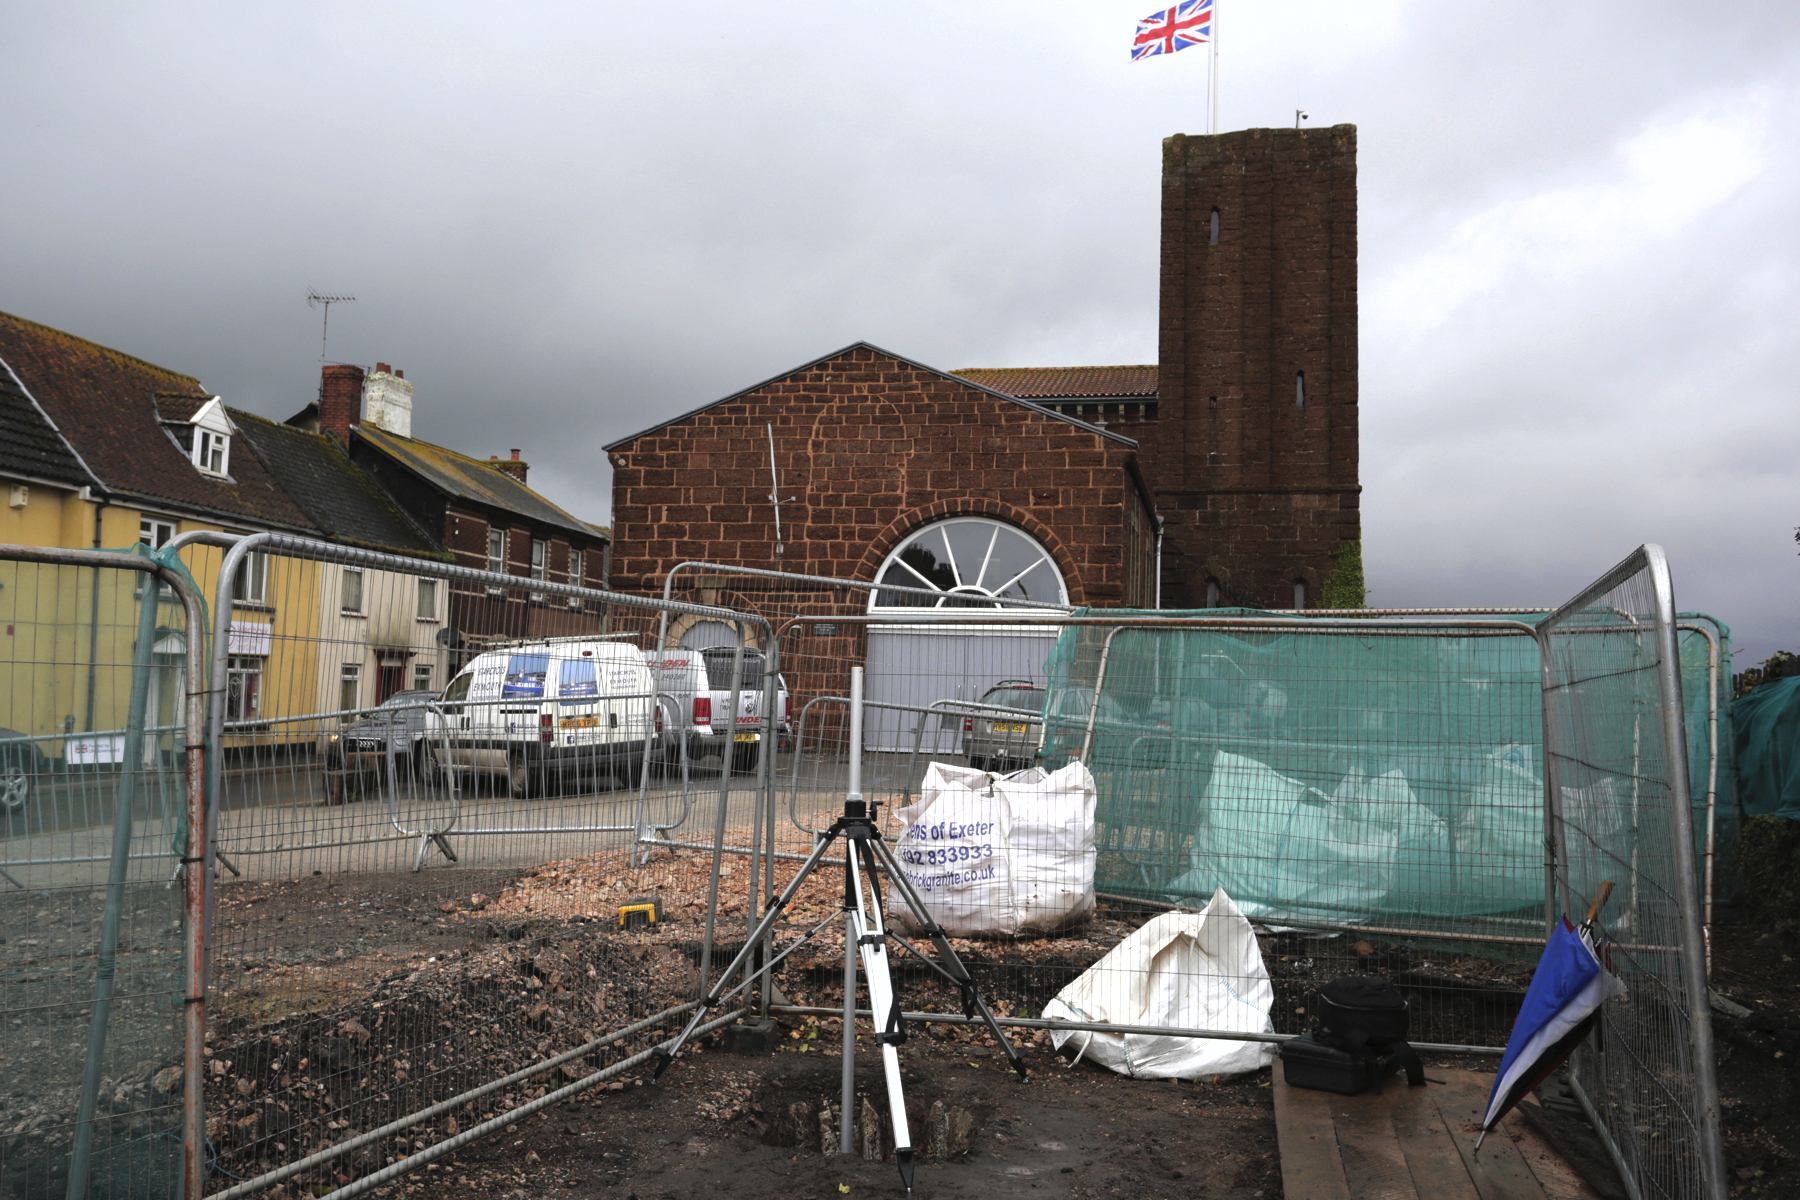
(520, 779)
(15, 787)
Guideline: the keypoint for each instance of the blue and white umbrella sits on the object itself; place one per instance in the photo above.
(1561, 1005)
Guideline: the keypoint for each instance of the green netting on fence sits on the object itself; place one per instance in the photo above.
(1384, 776)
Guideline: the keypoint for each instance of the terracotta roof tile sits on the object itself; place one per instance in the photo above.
(1045, 383)
(107, 405)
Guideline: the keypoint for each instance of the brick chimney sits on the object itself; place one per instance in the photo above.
(515, 466)
(340, 400)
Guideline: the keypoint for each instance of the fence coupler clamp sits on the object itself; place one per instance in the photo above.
(663, 1059)
(968, 999)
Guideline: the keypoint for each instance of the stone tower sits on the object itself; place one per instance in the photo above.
(1253, 459)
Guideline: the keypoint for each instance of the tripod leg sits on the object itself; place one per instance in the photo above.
(711, 1000)
(951, 964)
(884, 1010)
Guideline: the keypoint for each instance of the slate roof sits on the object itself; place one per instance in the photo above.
(106, 405)
(1054, 383)
(470, 479)
(977, 384)
(29, 443)
(338, 496)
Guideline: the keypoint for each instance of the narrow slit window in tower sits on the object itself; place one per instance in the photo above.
(1213, 231)
(1299, 389)
(1299, 594)
(1212, 593)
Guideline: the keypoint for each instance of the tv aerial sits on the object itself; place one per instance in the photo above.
(315, 300)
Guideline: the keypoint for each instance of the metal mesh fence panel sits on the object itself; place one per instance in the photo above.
(92, 833)
(1616, 748)
(463, 827)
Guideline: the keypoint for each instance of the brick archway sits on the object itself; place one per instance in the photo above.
(907, 524)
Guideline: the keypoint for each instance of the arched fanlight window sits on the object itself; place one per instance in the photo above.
(967, 561)
(1214, 230)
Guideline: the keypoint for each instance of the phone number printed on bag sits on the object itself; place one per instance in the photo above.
(940, 856)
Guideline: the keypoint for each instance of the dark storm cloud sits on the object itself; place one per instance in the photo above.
(1578, 257)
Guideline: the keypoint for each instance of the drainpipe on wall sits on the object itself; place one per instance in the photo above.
(93, 634)
(1159, 533)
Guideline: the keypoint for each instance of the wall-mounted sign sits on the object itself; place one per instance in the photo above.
(825, 630)
(91, 751)
(248, 637)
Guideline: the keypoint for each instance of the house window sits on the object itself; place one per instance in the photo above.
(155, 534)
(212, 451)
(427, 599)
(251, 583)
(422, 677)
(576, 563)
(540, 564)
(349, 687)
(353, 590)
(497, 551)
(243, 687)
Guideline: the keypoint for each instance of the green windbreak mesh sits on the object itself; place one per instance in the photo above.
(1384, 776)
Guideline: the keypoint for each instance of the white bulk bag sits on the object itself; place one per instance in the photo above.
(1182, 971)
(999, 854)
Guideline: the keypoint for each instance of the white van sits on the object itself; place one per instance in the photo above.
(698, 684)
(562, 708)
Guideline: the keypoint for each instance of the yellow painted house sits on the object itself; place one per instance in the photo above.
(99, 449)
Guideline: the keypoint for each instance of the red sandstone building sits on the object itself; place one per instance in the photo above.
(1241, 442)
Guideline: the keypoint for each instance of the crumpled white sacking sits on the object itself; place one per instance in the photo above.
(999, 854)
(1182, 971)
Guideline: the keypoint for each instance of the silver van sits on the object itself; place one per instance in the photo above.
(543, 711)
(698, 684)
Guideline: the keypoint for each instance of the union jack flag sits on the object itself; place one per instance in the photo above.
(1189, 23)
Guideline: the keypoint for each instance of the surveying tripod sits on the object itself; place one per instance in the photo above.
(866, 856)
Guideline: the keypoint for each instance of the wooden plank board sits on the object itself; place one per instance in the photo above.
(1307, 1136)
(1375, 1167)
(1437, 1169)
(1555, 1174)
(1498, 1172)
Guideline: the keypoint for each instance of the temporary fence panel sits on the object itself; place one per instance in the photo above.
(464, 858)
(97, 1042)
(1620, 807)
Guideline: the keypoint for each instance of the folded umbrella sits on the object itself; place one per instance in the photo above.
(1561, 1005)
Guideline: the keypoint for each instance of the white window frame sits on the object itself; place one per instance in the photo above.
(427, 600)
(496, 541)
(421, 677)
(251, 586)
(349, 689)
(344, 598)
(154, 533)
(974, 581)
(577, 563)
(540, 565)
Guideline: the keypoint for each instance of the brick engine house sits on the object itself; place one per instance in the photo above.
(1241, 440)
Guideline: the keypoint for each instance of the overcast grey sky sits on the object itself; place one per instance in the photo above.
(1579, 258)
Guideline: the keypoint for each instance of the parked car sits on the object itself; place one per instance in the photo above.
(22, 767)
(361, 748)
(994, 742)
(698, 683)
(538, 712)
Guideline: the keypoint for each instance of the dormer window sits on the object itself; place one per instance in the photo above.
(205, 435)
(211, 451)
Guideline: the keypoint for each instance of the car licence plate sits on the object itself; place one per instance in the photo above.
(1008, 727)
(580, 722)
(745, 737)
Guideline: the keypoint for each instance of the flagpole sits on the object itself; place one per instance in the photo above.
(1213, 75)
